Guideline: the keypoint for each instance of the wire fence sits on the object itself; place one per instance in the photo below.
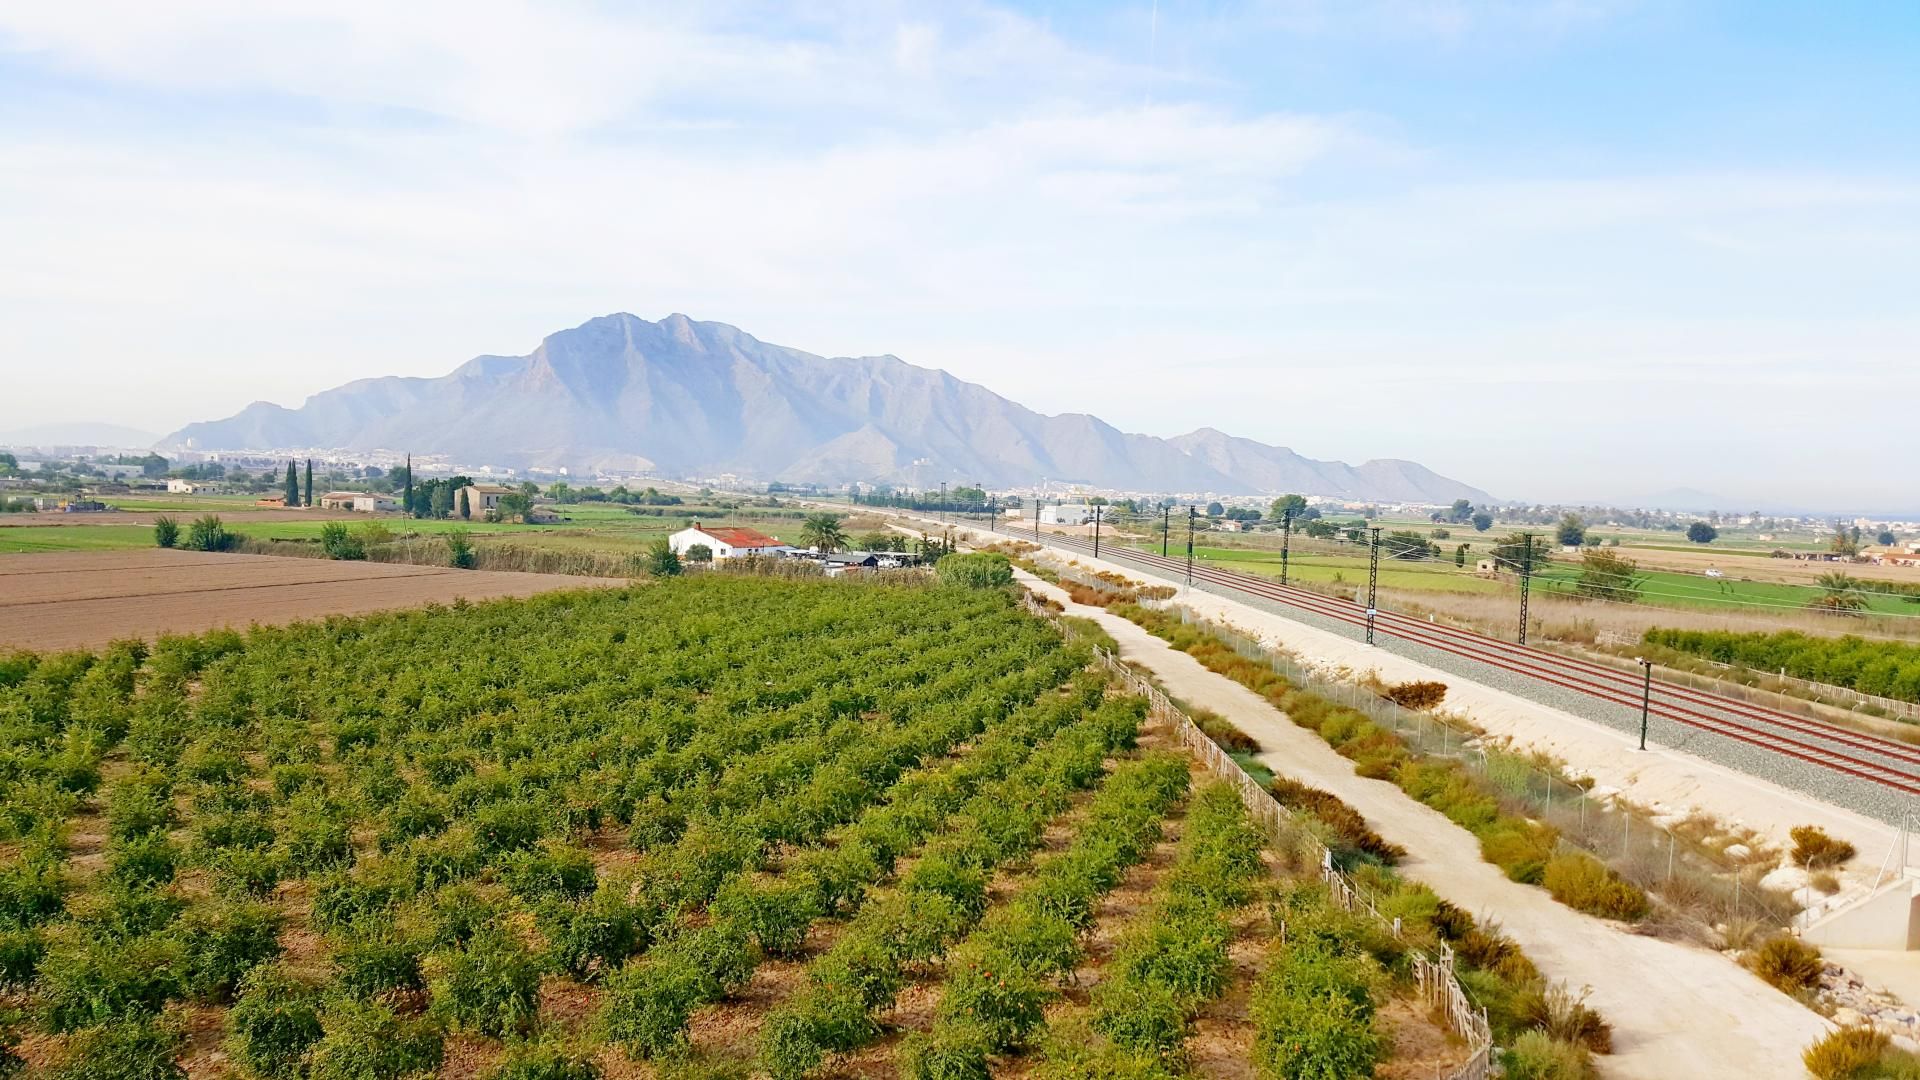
(1686, 873)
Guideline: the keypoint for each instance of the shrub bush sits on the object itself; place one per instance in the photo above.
(1563, 1015)
(369, 1041)
(990, 994)
(1850, 1053)
(166, 531)
(1417, 695)
(273, 1022)
(142, 861)
(775, 912)
(1535, 1055)
(20, 953)
(223, 942)
(1307, 1038)
(1815, 850)
(339, 542)
(491, 986)
(1347, 823)
(545, 1059)
(592, 937)
(135, 1049)
(1140, 1017)
(648, 1002)
(1584, 883)
(377, 960)
(207, 533)
(949, 1052)
(90, 979)
(979, 570)
(1787, 963)
(796, 1038)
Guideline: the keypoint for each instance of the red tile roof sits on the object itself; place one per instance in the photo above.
(740, 538)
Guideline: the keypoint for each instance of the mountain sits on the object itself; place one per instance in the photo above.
(689, 399)
(79, 433)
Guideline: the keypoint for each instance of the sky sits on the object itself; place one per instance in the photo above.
(1566, 250)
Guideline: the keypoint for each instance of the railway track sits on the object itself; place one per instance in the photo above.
(1891, 766)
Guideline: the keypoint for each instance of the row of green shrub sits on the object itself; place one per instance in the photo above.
(1527, 850)
(650, 1001)
(1881, 668)
(433, 773)
(1000, 980)
(937, 901)
(1174, 957)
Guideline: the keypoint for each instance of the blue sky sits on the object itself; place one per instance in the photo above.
(1562, 250)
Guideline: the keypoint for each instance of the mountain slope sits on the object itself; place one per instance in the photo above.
(686, 398)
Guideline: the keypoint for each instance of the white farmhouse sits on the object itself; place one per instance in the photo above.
(725, 542)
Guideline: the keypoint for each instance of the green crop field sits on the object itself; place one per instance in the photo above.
(538, 838)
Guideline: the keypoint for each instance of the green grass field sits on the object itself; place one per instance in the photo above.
(1668, 589)
(1331, 569)
(591, 528)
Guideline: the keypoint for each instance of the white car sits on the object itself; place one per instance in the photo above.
(1714, 571)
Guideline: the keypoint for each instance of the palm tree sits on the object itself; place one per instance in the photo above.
(1838, 593)
(822, 532)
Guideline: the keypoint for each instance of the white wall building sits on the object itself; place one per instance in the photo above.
(725, 542)
(1066, 514)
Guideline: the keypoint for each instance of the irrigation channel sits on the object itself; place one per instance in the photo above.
(1874, 776)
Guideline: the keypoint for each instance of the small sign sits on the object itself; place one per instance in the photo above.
(1372, 612)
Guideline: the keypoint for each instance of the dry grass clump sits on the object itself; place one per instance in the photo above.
(1564, 1015)
(1787, 963)
(1346, 822)
(1584, 883)
(1815, 850)
(1417, 695)
(1847, 1054)
(1535, 1055)
(1739, 933)
(1223, 733)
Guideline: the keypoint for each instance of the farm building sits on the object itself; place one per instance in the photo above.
(1066, 514)
(484, 498)
(177, 486)
(725, 542)
(340, 500)
(370, 504)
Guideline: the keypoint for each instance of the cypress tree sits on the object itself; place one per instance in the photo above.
(408, 504)
(292, 492)
(309, 481)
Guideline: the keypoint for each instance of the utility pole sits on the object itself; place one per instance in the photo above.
(1166, 521)
(1096, 530)
(1526, 583)
(993, 512)
(1646, 698)
(943, 502)
(1373, 580)
(1286, 541)
(408, 505)
(1190, 517)
(1036, 518)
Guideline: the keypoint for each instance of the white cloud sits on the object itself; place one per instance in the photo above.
(955, 184)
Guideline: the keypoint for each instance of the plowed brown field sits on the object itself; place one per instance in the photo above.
(77, 599)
